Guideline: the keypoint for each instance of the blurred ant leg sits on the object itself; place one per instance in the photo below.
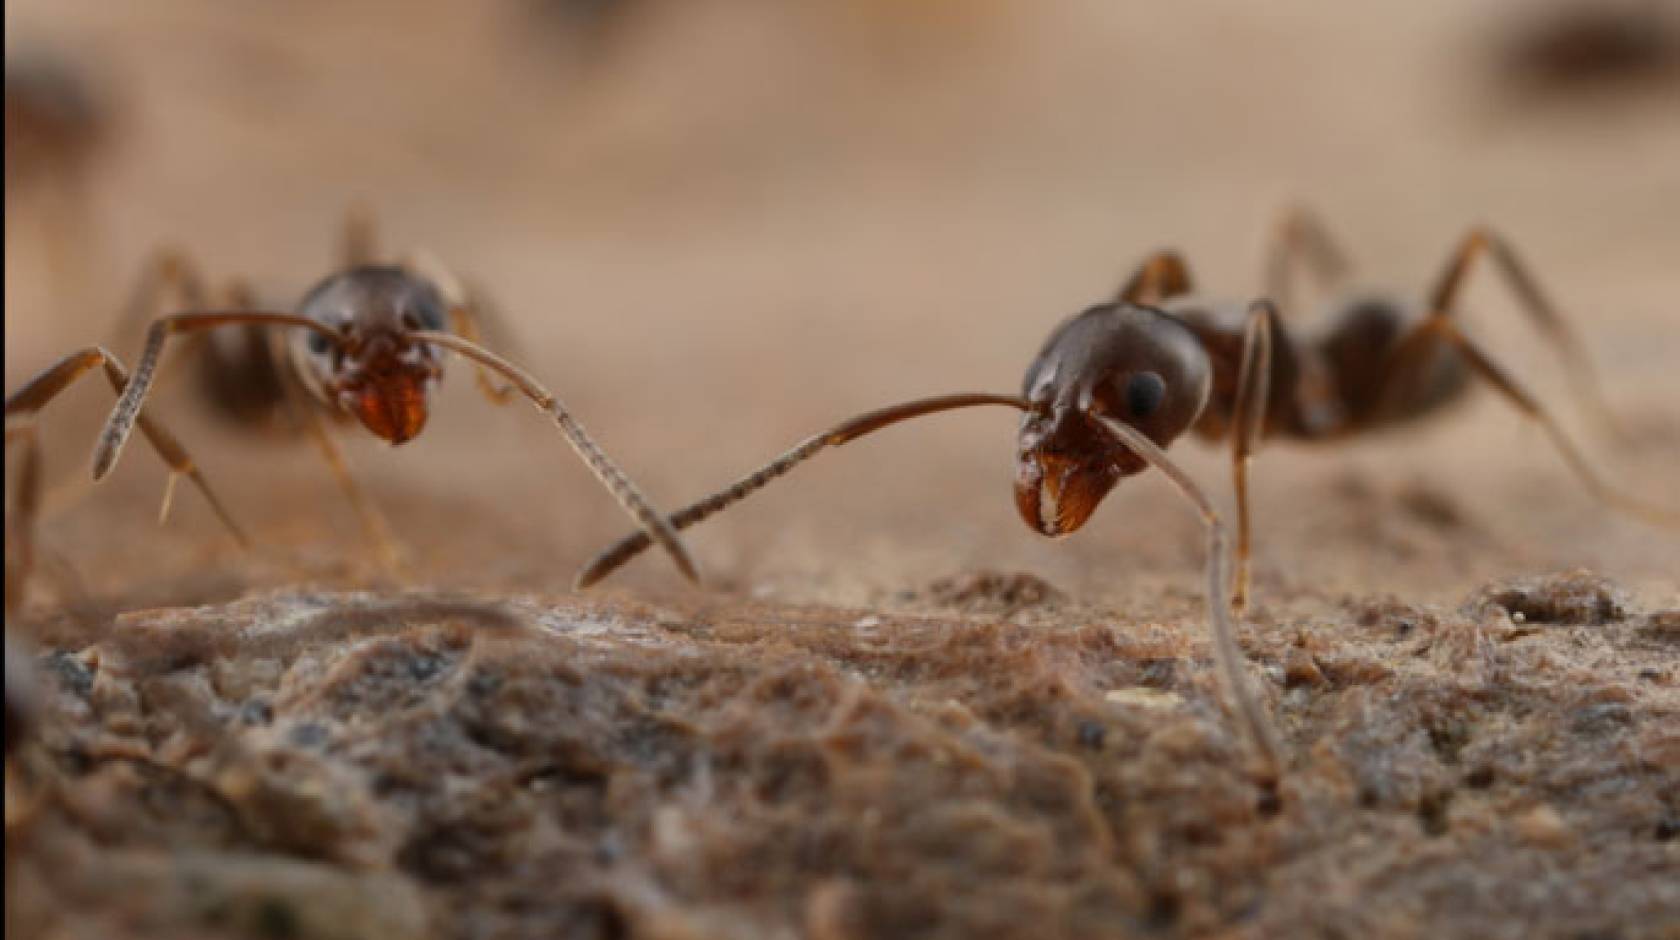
(22, 508)
(1443, 300)
(373, 521)
(1428, 336)
(374, 526)
(473, 316)
(169, 277)
(628, 496)
(46, 386)
(24, 552)
(466, 320)
(1300, 235)
(169, 281)
(1248, 419)
(238, 294)
(1226, 653)
(1161, 276)
(359, 239)
(127, 410)
(620, 552)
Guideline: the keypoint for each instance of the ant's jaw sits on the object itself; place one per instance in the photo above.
(1055, 494)
(392, 406)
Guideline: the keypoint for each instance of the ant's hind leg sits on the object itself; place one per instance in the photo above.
(1426, 339)
(1299, 235)
(1443, 301)
(1247, 421)
(1162, 276)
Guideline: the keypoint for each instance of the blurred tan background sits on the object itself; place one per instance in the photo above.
(719, 226)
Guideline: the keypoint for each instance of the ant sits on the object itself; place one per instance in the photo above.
(364, 344)
(1118, 383)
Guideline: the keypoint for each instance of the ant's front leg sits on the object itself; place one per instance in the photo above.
(1248, 420)
(308, 415)
(1162, 276)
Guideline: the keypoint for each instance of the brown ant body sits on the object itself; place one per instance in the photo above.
(364, 345)
(1118, 383)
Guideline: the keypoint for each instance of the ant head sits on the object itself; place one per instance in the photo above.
(374, 370)
(1130, 363)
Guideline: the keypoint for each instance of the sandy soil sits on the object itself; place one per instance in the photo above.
(894, 711)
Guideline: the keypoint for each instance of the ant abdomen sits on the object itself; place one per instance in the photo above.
(240, 379)
(1376, 380)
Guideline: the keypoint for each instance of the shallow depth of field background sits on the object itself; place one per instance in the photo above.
(718, 226)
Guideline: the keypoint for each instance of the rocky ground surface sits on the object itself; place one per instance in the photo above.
(985, 759)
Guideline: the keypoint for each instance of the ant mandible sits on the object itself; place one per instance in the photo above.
(1118, 383)
(364, 344)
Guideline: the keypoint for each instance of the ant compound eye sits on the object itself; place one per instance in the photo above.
(1145, 392)
(319, 343)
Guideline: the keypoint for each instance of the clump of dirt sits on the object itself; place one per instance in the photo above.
(364, 765)
(998, 592)
(1569, 597)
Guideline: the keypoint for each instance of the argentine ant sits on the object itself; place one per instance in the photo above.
(364, 344)
(1118, 383)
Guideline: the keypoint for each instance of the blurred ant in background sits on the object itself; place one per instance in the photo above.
(364, 345)
(60, 124)
(1118, 383)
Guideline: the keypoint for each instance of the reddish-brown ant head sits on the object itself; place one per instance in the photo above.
(1131, 363)
(375, 370)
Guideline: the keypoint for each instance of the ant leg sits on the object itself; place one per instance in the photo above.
(1161, 276)
(620, 552)
(24, 553)
(46, 386)
(374, 526)
(1300, 234)
(1533, 301)
(623, 490)
(1226, 653)
(373, 521)
(473, 316)
(1247, 422)
(359, 239)
(169, 279)
(1425, 339)
(127, 411)
(22, 508)
(467, 320)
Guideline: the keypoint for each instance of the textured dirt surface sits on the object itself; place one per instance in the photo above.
(893, 711)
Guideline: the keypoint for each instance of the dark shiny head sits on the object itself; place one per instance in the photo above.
(1134, 364)
(375, 370)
